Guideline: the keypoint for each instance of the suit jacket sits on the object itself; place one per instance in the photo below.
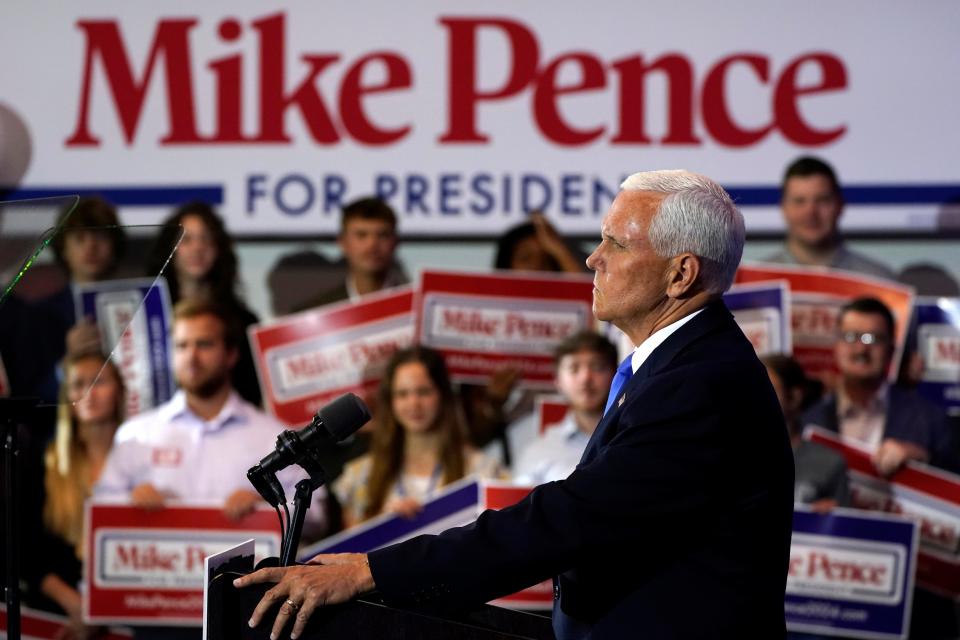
(675, 524)
(909, 417)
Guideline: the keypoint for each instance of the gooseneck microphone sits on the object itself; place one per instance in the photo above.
(335, 422)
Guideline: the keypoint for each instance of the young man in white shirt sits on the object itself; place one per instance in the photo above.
(585, 364)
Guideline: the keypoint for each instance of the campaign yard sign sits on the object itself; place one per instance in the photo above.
(851, 574)
(43, 625)
(816, 297)
(762, 310)
(147, 567)
(134, 319)
(307, 359)
(930, 496)
(937, 324)
(482, 322)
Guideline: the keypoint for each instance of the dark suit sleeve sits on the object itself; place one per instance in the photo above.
(657, 479)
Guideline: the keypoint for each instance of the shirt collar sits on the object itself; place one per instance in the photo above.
(877, 404)
(643, 351)
(233, 409)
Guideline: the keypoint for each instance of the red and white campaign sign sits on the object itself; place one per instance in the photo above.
(41, 625)
(549, 410)
(930, 495)
(486, 321)
(147, 567)
(816, 297)
(494, 495)
(307, 359)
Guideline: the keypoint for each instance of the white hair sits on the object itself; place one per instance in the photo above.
(698, 217)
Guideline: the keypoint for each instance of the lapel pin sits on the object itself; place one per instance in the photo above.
(620, 401)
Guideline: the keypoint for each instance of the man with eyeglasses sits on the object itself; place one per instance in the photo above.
(895, 423)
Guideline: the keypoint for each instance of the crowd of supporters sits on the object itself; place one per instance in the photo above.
(427, 431)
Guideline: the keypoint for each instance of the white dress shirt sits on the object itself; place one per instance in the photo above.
(193, 460)
(643, 351)
(552, 456)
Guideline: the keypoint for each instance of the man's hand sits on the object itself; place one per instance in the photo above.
(893, 454)
(241, 503)
(328, 579)
(554, 245)
(147, 497)
(83, 337)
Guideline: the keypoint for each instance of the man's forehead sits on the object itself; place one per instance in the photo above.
(632, 210)
(862, 318)
(198, 326)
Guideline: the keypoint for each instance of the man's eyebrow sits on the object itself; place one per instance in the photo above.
(612, 238)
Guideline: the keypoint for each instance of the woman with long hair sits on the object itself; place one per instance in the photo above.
(205, 266)
(90, 411)
(418, 442)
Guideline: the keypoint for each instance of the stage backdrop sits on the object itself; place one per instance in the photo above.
(464, 115)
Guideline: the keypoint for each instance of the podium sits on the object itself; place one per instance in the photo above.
(229, 610)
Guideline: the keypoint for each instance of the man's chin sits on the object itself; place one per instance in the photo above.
(204, 388)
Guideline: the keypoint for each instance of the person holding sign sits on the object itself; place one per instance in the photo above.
(418, 442)
(676, 523)
(896, 424)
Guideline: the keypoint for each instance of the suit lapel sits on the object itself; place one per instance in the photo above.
(714, 315)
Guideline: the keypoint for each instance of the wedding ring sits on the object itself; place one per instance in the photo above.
(293, 605)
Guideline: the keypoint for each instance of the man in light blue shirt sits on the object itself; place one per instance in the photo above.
(198, 446)
(585, 364)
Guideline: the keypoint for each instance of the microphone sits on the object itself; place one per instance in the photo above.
(337, 421)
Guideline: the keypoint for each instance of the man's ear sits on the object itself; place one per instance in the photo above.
(683, 274)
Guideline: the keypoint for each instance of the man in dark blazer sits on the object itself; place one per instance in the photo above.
(676, 523)
(896, 423)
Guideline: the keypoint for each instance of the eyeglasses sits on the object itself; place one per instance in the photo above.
(852, 337)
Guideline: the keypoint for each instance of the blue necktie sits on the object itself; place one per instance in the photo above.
(624, 372)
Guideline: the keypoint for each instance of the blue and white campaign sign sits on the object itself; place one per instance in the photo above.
(937, 325)
(763, 312)
(466, 115)
(134, 318)
(455, 505)
(851, 574)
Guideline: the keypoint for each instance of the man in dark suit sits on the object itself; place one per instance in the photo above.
(895, 423)
(676, 523)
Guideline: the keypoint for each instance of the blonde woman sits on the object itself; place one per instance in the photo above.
(91, 409)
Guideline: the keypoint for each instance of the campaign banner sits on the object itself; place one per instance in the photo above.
(482, 322)
(466, 116)
(307, 359)
(851, 574)
(762, 310)
(455, 505)
(42, 625)
(816, 296)
(937, 326)
(548, 411)
(930, 496)
(134, 319)
(147, 567)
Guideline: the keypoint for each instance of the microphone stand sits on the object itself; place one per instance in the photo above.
(301, 502)
(13, 413)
